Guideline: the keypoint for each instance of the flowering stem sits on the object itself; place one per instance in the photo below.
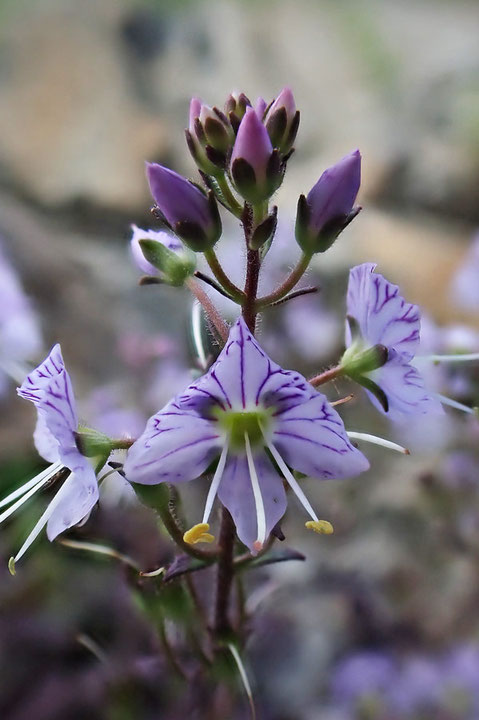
(233, 291)
(212, 313)
(250, 309)
(230, 201)
(295, 294)
(327, 376)
(293, 278)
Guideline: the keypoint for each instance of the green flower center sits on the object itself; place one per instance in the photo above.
(236, 424)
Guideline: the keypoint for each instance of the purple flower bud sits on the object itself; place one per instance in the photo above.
(260, 108)
(209, 137)
(328, 208)
(254, 171)
(192, 215)
(161, 236)
(282, 120)
(161, 254)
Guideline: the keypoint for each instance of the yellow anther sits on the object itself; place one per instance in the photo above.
(323, 527)
(198, 533)
(11, 566)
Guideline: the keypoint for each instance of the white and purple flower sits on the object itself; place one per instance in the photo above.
(49, 388)
(379, 317)
(248, 413)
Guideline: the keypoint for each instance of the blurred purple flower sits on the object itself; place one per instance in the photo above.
(20, 338)
(465, 287)
(161, 236)
(363, 676)
(244, 406)
(417, 687)
(382, 317)
(49, 388)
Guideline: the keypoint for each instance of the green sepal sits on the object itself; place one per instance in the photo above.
(359, 362)
(174, 266)
(92, 443)
(156, 497)
(375, 390)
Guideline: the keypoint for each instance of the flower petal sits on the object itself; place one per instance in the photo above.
(49, 388)
(236, 494)
(74, 500)
(311, 437)
(404, 387)
(382, 313)
(177, 445)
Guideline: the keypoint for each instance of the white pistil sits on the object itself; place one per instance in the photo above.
(37, 480)
(27, 490)
(290, 479)
(465, 357)
(375, 440)
(258, 498)
(197, 337)
(454, 404)
(215, 483)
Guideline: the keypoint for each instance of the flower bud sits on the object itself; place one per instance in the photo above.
(160, 254)
(235, 108)
(255, 166)
(328, 208)
(209, 137)
(282, 121)
(191, 214)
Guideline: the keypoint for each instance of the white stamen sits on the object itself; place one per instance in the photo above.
(290, 479)
(41, 480)
(215, 483)
(26, 486)
(197, 336)
(375, 440)
(41, 523)
(258, 498)
(454, 404)
(465, 357)
(17, 371)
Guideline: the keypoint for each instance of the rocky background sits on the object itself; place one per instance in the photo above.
(88, 91)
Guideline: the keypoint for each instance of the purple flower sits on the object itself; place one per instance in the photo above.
(192, 215)
(254, 165)
(171, 260)
(282, 121)
(417, 687)
(245, 406)
(20, 337)
(328, 208)
(161, 236)
(465, 288)
(49, 388)
(381, 318)
(361, 677)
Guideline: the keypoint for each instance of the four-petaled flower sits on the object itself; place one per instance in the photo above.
(260, 421)
(49, 388)
(380, 317)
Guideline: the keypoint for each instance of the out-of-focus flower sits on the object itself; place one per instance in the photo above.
(381, 320)
(191, 215)
(418, 687)
(282, 121)
(20, 337)
(363, 678)
(243, 407)
(329, 205)
(465, 287)
(255, 166)
(49, 388)
(170, 259)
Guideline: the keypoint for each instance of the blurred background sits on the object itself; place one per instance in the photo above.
(381, 621)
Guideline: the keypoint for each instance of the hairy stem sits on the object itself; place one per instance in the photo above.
(231, 202)
(215, 266)
(251, 288)
(326, 376)
(289, 283)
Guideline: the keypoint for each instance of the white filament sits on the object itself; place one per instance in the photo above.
(215, 483)
(27, 490)
(258, 498)
(453, 403)
(375, 440)
(465, 357)
(291, 480)
(197, 337)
